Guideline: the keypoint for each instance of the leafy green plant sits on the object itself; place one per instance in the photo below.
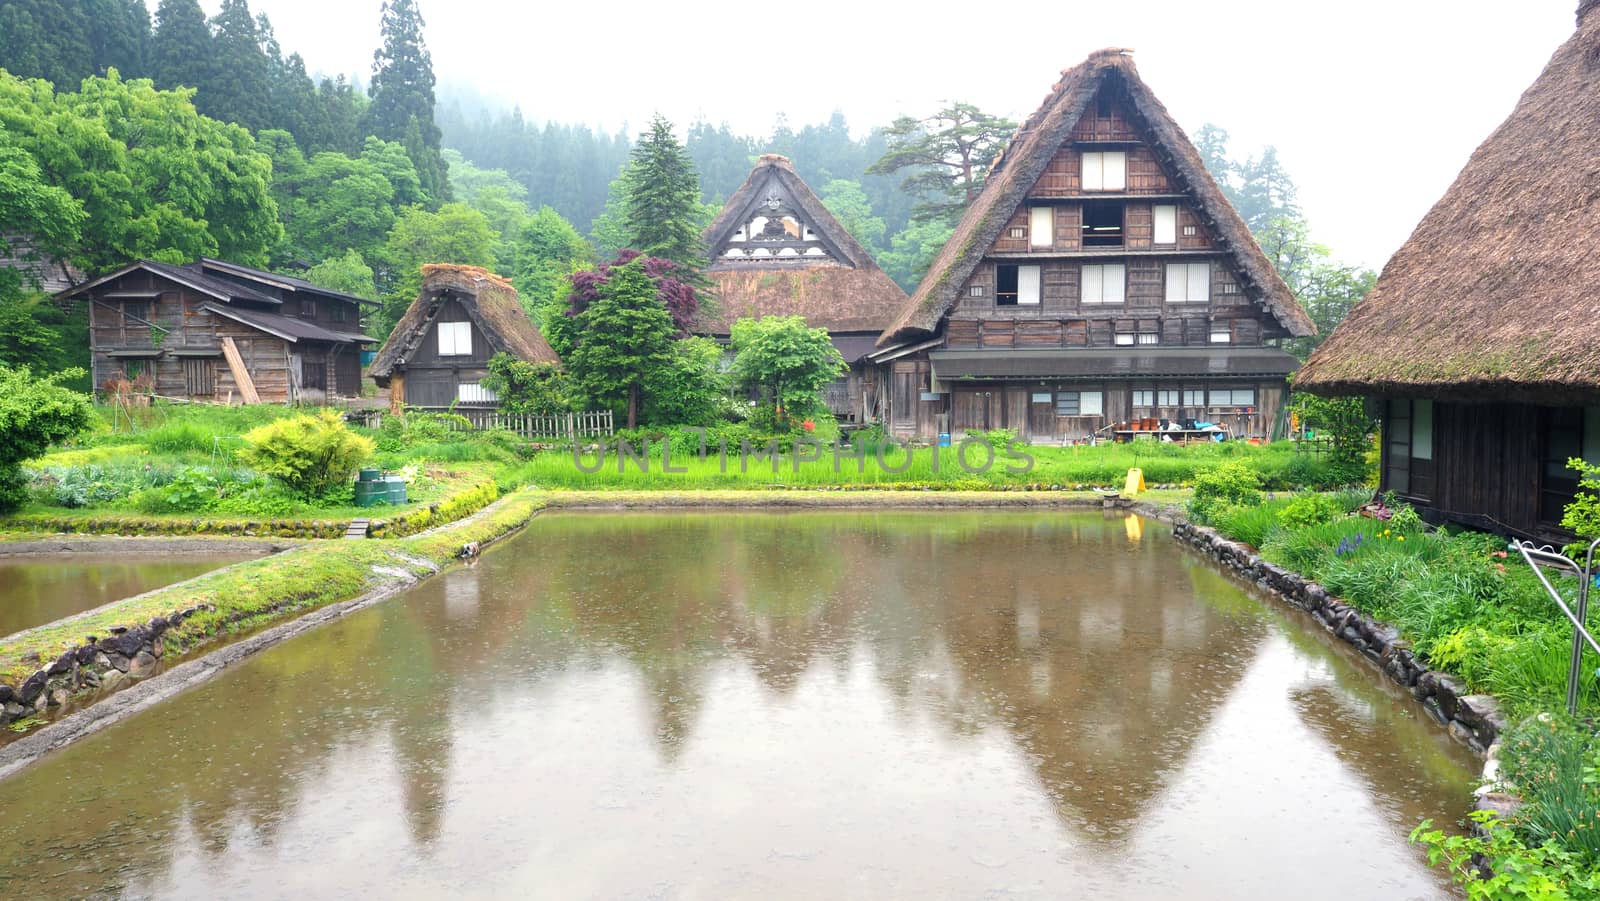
(1582, 516)
(1310, 509)
(192, 490)
(1228, 485)
(1501, 867)
(1250, 525)
(999, 439)
(525, 387)
(35, 412)
(1554, 764)
(310, 455)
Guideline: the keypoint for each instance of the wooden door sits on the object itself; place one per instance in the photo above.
(347, 372)
(1041, 414)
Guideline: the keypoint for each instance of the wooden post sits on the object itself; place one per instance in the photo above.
(241, 375)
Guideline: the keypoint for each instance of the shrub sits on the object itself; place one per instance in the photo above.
(1582, 516)
(1310, 509)
(1499, 866)
(34, 414)
(310, 455)
(1228, 485)
(526, 387)
(999, 439)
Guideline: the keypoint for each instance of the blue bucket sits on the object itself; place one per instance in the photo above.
(944, 439)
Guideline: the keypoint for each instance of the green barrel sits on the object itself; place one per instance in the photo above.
(369, 493)
(397, 489)
(370, 475)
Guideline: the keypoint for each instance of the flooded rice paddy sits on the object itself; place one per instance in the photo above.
(35, 590)
(713, 705)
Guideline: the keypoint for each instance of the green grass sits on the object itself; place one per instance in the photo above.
(1098, 466)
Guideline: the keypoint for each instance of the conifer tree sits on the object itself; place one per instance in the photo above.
(664, 198)
(402, 95)
(180, 49)
(238, 90)
(119, 36)
(45, 39)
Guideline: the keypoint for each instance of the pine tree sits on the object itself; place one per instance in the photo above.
(402, 95)
(663, 199)
(341, 111)
(239, 90)
(180, 49)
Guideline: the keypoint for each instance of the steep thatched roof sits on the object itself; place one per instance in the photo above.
(490, 302)
(1497, 292)
(840, 289)
(1028, 154)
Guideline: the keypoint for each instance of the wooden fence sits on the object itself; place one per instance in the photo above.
(533, 426)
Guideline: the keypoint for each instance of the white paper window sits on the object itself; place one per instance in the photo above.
(1105, 171)
(1041, 226)
(975, 291)
(1125, 339)
(1027, 284)
(1422, 430)
(1090, 403)
(1237, 397)
(1166, 221)
(1167, 398)
(455, 339)
(474, 393)
(1220, 334)
(1042, 397)
(1104, 283)
(1188, 282)
(1194, 398)
(1144, 398)
(1149, 338)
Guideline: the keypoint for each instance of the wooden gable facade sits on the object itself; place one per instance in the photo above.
(1100, 280)
(775, 250)
(1480, 342)
(438, 354)
(217, 332)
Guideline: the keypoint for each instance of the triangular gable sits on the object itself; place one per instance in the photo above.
(1023, 163)
(491, 304)
(775, 219)
(188, 278)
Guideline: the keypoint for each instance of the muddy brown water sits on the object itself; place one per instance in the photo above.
(35, 590)
(773, 705)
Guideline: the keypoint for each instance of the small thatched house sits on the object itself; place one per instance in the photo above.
(777, 251)
(1100, 283)
(438, 353)
(1481, 339)
(217, 331)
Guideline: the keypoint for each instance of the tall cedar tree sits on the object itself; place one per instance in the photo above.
(402, 95)
(949, 154)
(119, 36)
(625, 320)
(239, 90)
(45, 39)
(663, 194)
(181, 51)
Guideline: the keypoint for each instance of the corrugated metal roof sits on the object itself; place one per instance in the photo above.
(1110, 362)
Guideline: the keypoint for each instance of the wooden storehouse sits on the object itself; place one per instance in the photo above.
(1100, 278)
(438, 354)
(217, 331)
(1480, 342)
(777, 251)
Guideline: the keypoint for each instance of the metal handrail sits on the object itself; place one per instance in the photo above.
(1540, 557)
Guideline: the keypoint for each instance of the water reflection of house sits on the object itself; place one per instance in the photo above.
(1101, 276)
(218, 331)
(777, 251)
(1480, 341)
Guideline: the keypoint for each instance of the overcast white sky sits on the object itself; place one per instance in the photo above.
(1374, 105)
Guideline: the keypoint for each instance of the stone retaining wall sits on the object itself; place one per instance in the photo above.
(92, 670)
(1472, 719)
